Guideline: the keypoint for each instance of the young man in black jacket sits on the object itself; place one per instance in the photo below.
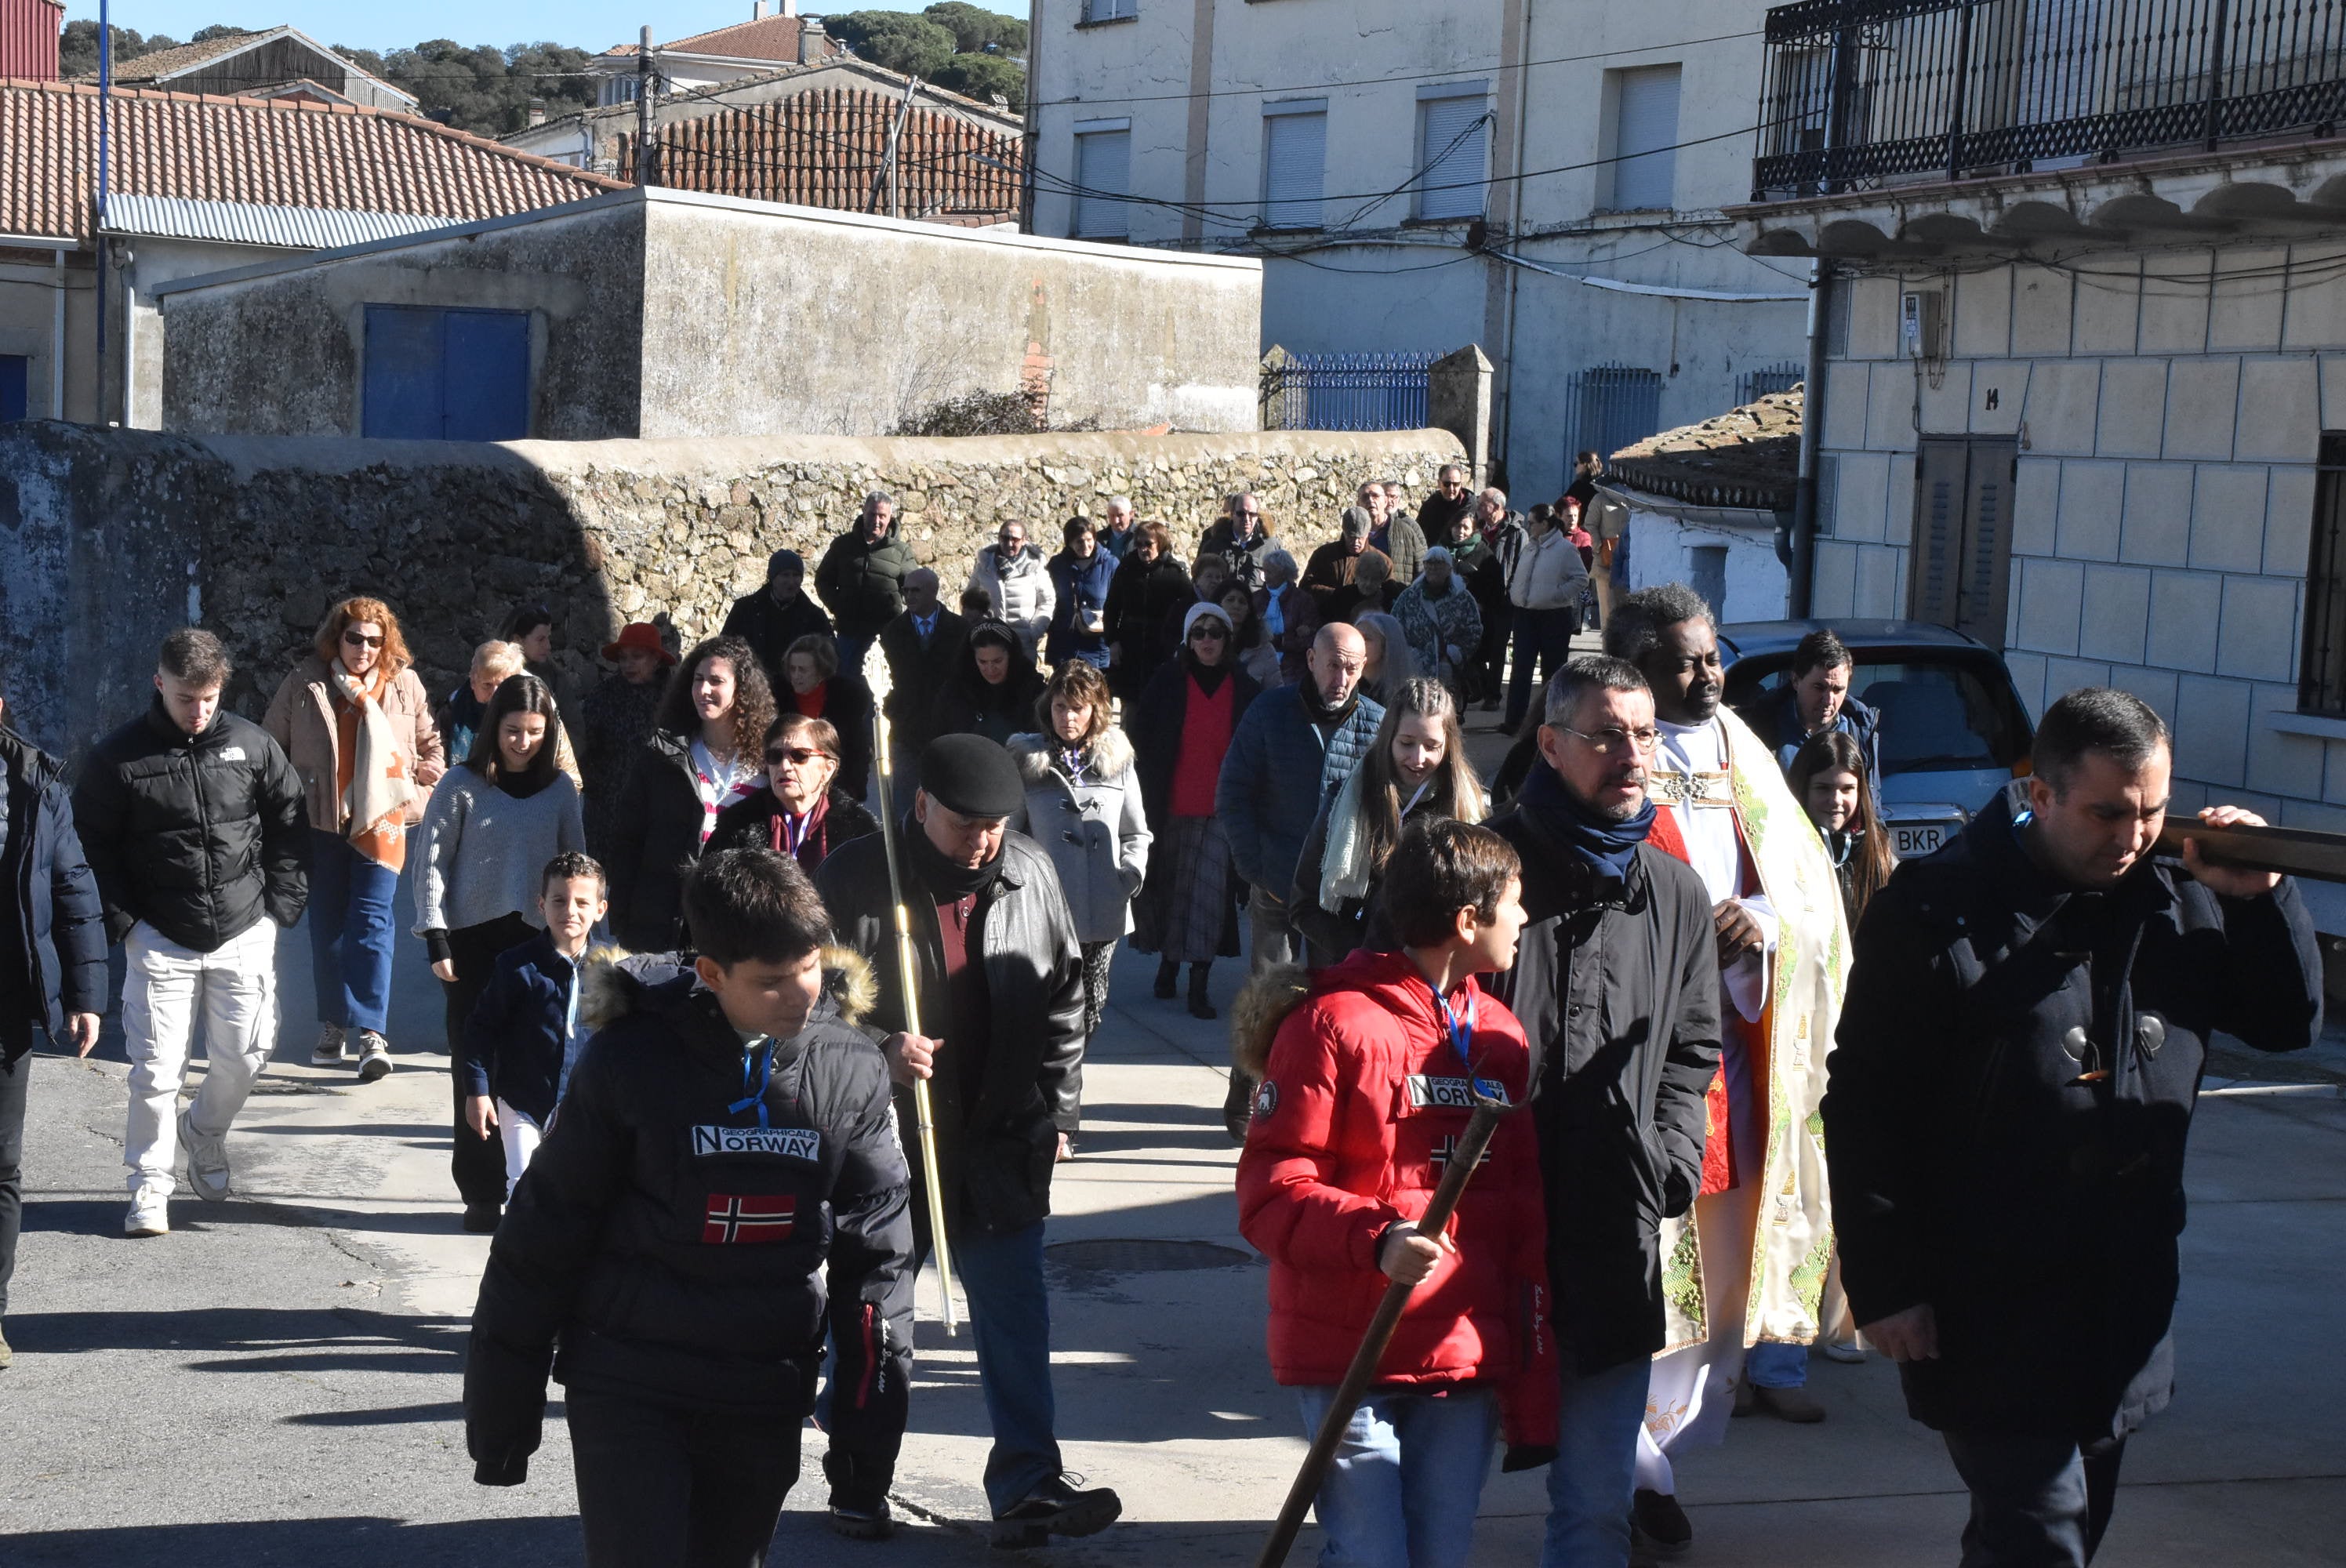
(1000, 993)
(777, 615)
(52, 955)
(195, 823)
(721, 1187)
(1616, 983)
(2018, 1060)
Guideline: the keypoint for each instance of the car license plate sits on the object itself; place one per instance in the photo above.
(1918, 838)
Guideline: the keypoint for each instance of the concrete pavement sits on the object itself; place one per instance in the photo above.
(277, 1382)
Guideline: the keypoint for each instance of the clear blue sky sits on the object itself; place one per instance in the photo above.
(582, 23)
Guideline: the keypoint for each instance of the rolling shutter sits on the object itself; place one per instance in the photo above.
(1452, 185)
(1647, 132)
(1104, 171)
(1294, 161)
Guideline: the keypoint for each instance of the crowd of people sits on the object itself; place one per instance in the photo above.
(1630, 932)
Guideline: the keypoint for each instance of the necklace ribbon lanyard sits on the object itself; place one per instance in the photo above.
(756, 1096)
(1461, 1030)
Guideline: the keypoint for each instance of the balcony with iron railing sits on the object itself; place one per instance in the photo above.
(1879, 96)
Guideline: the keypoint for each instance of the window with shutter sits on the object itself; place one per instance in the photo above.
(1103, 173)
(1107, 10)
(1959, 571)
(1294, 163)
(1454, 156)
(1646, 134)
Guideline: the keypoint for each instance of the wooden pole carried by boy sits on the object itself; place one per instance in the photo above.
(1480, 1125)
(876, 676)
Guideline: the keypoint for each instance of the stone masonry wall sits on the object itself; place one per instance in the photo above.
(266, 532)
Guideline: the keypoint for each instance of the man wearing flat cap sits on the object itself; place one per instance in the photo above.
(777, 615)
(1002, 1044)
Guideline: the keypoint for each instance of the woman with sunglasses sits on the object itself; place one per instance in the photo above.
(797, 812)
(357, 724)
(1180, 729)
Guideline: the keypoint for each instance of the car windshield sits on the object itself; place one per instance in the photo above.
(1936, 714)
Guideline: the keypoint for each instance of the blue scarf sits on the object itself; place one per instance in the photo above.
(1606, 847)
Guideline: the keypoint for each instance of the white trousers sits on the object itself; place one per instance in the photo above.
(168, 992)
(521, 1137)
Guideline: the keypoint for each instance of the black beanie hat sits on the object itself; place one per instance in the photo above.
(971, 775)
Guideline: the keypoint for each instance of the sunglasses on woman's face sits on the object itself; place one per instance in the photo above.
(360, 640)
(798, 755)
(1208, 635)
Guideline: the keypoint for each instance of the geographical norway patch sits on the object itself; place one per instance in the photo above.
(768, 1142)
(1266, 1101)
(733, 1220)
(1429, 1093)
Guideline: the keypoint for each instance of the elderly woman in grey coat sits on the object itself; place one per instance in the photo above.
(1084, 808)
(1440, 619)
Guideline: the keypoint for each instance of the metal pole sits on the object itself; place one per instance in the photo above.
(2215, 71)
(1962, 87)
(644, 163)
(888, 158)
(1803, 565)
(98, 225)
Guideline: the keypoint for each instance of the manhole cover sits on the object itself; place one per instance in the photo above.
(1142, 1257)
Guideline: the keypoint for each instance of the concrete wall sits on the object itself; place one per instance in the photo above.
(2168, 407)
(111, 538)
(29, 283)
(1663, 548)
(1378, 280)
(278, 348)
(672, 314)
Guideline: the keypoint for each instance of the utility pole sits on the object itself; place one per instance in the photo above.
(646, 165)
(888, 160)
(97, 217)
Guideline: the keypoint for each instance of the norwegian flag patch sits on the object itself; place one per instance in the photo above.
(733, 1220)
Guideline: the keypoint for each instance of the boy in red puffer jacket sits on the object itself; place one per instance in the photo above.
(1366, 1070)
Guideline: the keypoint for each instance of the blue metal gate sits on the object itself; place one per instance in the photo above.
(1346, 392)
(1767, 380)
(435, 375)
(1607, 407)
(16, 377)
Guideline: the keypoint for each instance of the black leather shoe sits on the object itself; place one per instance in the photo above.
(1055, 1508)
(1664, 1526)
(863, 1523)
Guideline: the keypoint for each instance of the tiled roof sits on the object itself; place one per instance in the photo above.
(1748, 457)
(824, 149)
(162, 62)
(769, 38)
(273, 152)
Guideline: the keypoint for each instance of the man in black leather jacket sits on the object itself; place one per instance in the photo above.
(2017, 1063)
(1001, 1040)
(720, 1188)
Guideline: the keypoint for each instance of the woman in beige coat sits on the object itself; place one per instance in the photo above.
(358, 725)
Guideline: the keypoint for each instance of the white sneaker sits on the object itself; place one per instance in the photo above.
(374, 1055)
(328, 1051)
(150, 1215)
(207, 1160)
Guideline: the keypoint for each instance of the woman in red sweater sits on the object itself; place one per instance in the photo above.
(1366, 1086)
(1188, 908)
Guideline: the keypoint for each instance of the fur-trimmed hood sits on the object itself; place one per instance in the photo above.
(1262, 1005)
(1109, 755)
(613, 983)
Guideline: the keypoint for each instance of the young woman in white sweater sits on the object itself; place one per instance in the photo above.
(495, 821)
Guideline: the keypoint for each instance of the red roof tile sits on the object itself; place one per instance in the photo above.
(275, 151)
(824, 149)
(769, 38)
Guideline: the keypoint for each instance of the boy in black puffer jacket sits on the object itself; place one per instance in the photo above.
(722, 1185)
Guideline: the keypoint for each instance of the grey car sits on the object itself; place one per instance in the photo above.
(1953, 729)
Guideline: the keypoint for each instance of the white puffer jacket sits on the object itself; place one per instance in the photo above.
(1020, 589)
(1096, 830)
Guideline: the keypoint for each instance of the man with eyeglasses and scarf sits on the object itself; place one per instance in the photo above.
(1617, 984)
(1781, 936)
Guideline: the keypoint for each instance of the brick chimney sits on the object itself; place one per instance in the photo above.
(29, 39)
(536, 111)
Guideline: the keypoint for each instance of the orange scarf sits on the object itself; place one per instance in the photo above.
(372, 779)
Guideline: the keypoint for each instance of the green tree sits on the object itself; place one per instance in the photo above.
(483, 90)
(897, 40)
(218, 30)
(77, 48)
(979, 77)
(976, 30)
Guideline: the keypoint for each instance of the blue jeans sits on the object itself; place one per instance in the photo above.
(1589, 1483)
(1404, 1483)
(351, 934)
(1776, 1366)
(2036, 1501)
(1542, 635)
(1010, 1319)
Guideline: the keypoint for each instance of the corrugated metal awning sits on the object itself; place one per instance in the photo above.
(252, 223)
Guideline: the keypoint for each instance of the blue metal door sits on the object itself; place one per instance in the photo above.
(436, 374)
(15, 375)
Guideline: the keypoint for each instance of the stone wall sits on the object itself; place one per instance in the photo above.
(107, 538)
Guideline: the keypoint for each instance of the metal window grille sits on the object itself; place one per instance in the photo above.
(1608, 407)
(2322, 676)
(1347, 392)
(1924, 88)
(1767, 380)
